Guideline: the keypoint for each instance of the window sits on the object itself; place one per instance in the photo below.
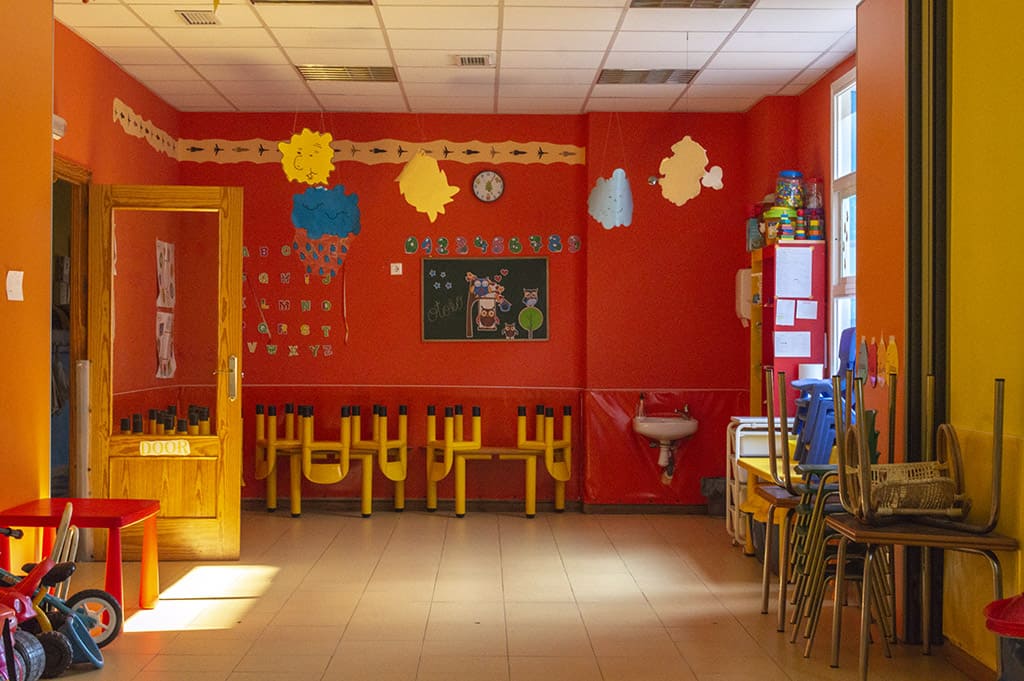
(843, 267)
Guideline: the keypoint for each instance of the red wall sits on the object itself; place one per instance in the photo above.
(648, 307)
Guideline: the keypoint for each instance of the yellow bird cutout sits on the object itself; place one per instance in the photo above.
(425, 186)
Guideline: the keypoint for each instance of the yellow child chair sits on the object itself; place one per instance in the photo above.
(269, 446)
(391, 453)
(557, 453)
(452, 449)
(326, 462)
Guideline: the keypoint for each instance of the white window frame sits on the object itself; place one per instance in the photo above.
(842, 288)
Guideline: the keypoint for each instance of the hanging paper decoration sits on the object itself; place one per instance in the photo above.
(425, 186)
(308, 157)
(684, 172)
(325, 222)
(611, 201)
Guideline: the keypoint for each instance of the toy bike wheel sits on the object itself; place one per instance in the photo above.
(100, 611)
(32, 654)
(58, 653)
(83, 648)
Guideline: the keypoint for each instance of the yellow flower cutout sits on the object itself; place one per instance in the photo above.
(425, 186)
(308, 157)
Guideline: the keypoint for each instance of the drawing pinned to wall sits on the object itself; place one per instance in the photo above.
(165, 365)
(685, 171)
(308, 157)
(611, 201)
(165, 296)
(325, 221)
(472, 299)
(425, 186)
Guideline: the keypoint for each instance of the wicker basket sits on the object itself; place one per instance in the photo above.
(881, 491)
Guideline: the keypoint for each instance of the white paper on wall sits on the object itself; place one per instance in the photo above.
(784, 312)
(165, 274)
(792, 343)
(166, 366)
(793, 271)
(807, 309)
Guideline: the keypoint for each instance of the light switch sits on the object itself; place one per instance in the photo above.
(15, 281)
(396, 268)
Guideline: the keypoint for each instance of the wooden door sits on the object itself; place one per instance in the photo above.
(196, 477)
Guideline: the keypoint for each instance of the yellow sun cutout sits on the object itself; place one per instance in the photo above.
(308, 157)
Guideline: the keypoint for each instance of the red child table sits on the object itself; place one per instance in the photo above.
(112, 514)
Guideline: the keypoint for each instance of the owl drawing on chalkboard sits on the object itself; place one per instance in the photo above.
(530, 296)
(509, 331)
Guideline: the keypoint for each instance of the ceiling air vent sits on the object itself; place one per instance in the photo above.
(352, 74)
(197, 17)
(646, 77)
(474, 60)
(692, 4)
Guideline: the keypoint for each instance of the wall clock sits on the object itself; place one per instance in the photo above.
(488, 186)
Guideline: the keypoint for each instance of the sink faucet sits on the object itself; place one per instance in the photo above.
(685, 411)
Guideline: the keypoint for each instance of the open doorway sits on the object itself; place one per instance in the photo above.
(68, 325)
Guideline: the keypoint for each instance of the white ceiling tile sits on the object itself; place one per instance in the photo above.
(234, 16)
(248, 71)
(848, 43)
(560, 18)
(452, 104)
(95, 15)
(144, 55)
(802, 4)
(749, 77)
(151, 73)
(79, 2)
(792, 90)
(210, 102)
(216, 36)
(427, 58)
(335, 38)
(338, 57)
(180, 87)
(543, 91)
(665, 41)
(682, 19)
(337, 88)
(453, 90)
(440, 17)
(370, 104)
(464, 3)
(638, 91)
(784, 41)
(453, 41)
(657, 60)
(232, 88)
(551, 59)
(627, 104)
(727, 91)
(707, 104)
(532, 105)
(568, 41)
(296, 102)
(323, 16)
(534, 3)
(232, 55)
(800, 20)
(509, 76)
(452, 74)
(120, 37)
(809, 76)
(830, 60)
(761, 60)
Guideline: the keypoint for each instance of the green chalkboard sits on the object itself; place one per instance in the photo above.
(485, 299)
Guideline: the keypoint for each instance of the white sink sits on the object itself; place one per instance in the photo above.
(665, 429)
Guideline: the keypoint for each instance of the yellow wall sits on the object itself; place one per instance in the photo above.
(986, 315)
(26, 51)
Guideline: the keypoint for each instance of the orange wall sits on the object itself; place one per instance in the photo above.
(26, 52)
(881, 191)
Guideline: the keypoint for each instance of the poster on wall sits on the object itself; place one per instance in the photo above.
(165, 365)
(485, 299)
(166, 294)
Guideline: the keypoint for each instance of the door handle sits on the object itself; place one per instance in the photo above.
(233, 376)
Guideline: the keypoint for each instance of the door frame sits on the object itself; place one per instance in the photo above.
(78, 177)
(218, 538)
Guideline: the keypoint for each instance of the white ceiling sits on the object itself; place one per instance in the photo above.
(547, 55)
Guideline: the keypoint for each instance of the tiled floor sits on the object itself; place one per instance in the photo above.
(489, 597)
